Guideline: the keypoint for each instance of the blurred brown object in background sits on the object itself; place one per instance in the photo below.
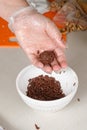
(83, 5)
(56, 5)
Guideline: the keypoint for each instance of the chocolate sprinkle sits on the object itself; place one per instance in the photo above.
(37, 127)
(44, 88)
(78, 99)
(74, 84)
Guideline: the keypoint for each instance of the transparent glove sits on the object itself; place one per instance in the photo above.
(34, 33)
(41, 5)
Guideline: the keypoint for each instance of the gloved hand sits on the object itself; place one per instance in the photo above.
(34, 33)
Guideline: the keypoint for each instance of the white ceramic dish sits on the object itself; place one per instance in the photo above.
(67, 78)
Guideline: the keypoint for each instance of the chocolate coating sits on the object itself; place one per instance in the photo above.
(47, 57)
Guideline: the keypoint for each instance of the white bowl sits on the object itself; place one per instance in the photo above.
(67, 78)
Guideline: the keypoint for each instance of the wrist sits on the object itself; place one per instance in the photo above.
(18, 17)
(9, 7)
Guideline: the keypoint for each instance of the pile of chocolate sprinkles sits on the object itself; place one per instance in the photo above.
(44, 88)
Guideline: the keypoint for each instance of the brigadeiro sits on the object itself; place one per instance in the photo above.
(46, 57)
(44, 88)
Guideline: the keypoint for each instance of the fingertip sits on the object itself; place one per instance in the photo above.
(64, 64)
(47, 69)
(39, 65)
(56, 67)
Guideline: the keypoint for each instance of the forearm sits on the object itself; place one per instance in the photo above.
(8, 7)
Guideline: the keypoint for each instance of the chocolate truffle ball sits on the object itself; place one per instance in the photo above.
(47, 57)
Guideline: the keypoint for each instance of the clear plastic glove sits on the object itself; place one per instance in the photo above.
(34, 33)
